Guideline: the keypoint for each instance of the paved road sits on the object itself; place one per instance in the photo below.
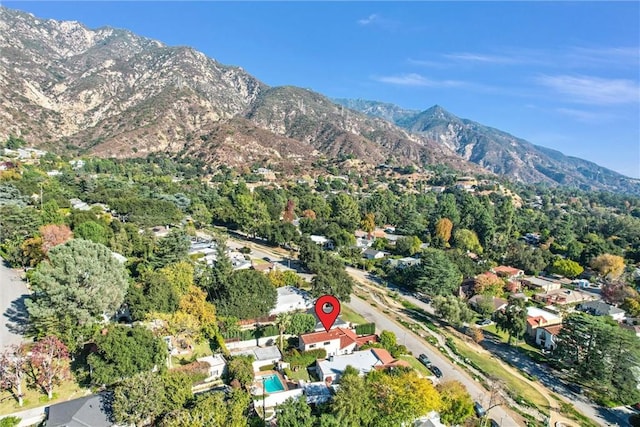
(13, 292)
(417, 346)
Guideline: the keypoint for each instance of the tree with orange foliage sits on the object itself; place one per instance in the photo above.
(443, 229)
(54, 235)
(308, 213)
(488, 284)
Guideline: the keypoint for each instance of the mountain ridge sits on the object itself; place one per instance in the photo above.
(503, 153)
(111, 92)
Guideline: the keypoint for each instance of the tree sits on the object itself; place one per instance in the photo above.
(81, 282)
(200, 214)
(283, 321)
(489, 284)
(452, 309)
(51, 213)
(240, 370)
(352, 404)
(54, 235)
(513, 319)
(566, 267)
(301, 323)
(401, 396)
(409, 245)
(247, 294)
(139, 400)
(609, 266)
(595, 349)
(345, 211)
(467, 240)
(13, 366)
(443, 229)
(289, 211)
(153, 294)
(93, 231)
(180, 276)
(123, 352)
(294, 413)
(172, 248)
(332, 281)
(368, 223)
(457, 405)
(50, 363)
(211, 410)
(435, 275)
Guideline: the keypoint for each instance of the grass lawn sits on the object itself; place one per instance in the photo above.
(490, 367)
(301, 374)
(415, 364)
(34, 397)
(200, 350)
(349, 315)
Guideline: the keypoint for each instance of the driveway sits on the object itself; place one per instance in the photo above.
(417, 346)
(13, 292)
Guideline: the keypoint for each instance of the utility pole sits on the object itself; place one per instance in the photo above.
(40, 196)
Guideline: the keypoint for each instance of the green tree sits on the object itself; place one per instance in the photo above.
(247, 294)
(353, 404)
(139, 400)
(457, 405)
(345, 211)
(566, 267)
(153, 294)
(124, 352)
(332, 281)
(240, 369)
(81, 281)
(294, 413)
(409, 245)
(93, 231)
(301, 323)
(283, 321)
(513, 319)
(452, 309)
(51, 213)
(172, 248)
(435, 275)
(467, 240)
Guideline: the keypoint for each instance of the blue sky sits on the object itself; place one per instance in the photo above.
(565, 75)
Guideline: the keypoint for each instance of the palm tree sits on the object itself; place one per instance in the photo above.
(283, 321)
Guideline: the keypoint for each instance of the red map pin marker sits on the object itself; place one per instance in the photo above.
(327, 309)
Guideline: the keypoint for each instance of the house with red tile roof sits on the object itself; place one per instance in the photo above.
(538, 318)
(510, 273)
(546, 337)
(335, 342)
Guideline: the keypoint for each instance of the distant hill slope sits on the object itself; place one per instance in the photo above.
(499, 151)
(113, 93)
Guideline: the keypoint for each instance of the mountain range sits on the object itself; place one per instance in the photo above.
(109, 92)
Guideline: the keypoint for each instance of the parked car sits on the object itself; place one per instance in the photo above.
(484, 322)
(575, 388)
(493, 423)
(267, 259)
(479, 410)
(436, 371)
(424, 360)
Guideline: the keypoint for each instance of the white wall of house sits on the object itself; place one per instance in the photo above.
(545, 339)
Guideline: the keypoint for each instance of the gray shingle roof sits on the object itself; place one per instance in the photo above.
(90, 411)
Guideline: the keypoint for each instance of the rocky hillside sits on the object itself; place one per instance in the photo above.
(112, 93)
(499, 151)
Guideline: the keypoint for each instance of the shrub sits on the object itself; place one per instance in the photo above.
(366, 329)
(304, 359)
(195, 371)
(10, 421)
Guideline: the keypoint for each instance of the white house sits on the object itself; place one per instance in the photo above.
(371, 253)
(217, 366)
(538, 318)
(335, 342)
(263, 356)
(546, 337)
(364, 361)
(323, 241)
(291, 299)
(601, 308)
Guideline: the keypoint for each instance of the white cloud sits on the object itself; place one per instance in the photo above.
(592, 90)
(583, 115)
(371, 19)
(413, 79)
(484, 58)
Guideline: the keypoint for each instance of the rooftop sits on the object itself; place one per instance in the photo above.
(91, 411)
(346, 337)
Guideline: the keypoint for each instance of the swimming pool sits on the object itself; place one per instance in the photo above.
(272, 383)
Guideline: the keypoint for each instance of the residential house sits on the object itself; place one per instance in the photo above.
(506, 272)
(496, 303)
(564, 296)
(541, 284)
(262, 356)
(334, 342)
(404, 262)
(364, 243)
(538, 318)
(601, 308)
(323, 241)
(217, 366)
(79, 205)
(94, 411)
(291, 299)
(432, 419)
(546, 336)
(371, 253)
(329, 370)
(339, 323)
